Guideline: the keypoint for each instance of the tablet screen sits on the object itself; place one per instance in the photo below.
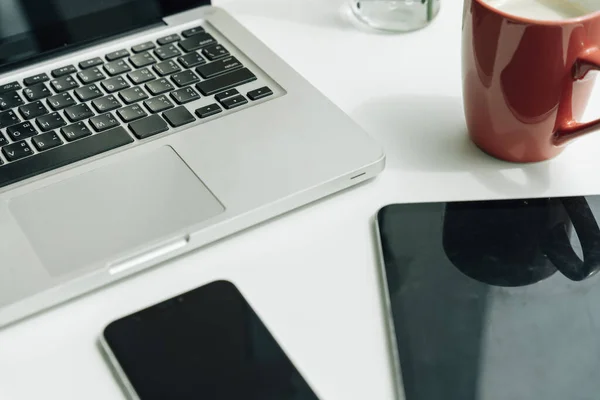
(480, 307)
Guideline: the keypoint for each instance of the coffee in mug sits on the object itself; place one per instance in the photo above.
(526, 80)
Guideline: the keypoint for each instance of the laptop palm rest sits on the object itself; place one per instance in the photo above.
(114, 210)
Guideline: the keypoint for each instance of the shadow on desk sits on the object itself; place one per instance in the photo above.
(428, 134)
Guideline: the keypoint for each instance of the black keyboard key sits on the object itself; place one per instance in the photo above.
(166, 68)
(90, 63)
(46, 141)
(168, 39)
(106, 103)
(219, 67)
(115, 55)
(10, 100)
(66, 70)
(208, 110)
(178, 116)
(10, 87)
(184, 78)
(133, 95)
(142, 60)
(63, 155)
(33, 110)
(191, 60)
(141, 76)
(114, 84)
(224, 82)
(90, 75)
(117, 67)
(78, 112)
(159, 86)
(259, 93)
(63, 84)
(192, 31)
(143, 47)
(88, 93)
(103, 122)
(158, 104)
(75, 131)
(234, 102)
(166, 52)
(215, 52)
(49, 122)
(39, 78)
(3, 141)
(36, 92)
(21, 131)
(226, 94)
(8, 118)
(197, 41)
(16, 151)
(60, 101)
(131, 113)
(185, 95)
(149, 126)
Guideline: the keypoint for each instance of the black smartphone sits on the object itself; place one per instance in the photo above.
(207, 344)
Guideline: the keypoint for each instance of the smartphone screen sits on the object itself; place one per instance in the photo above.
(207, 344)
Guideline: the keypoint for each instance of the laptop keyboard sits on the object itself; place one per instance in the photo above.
(53, 119)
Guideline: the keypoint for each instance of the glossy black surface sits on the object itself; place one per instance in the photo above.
(32, 28)
(207, 344)
(494, 300)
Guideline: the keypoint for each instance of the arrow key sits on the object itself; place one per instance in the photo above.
(233, 102)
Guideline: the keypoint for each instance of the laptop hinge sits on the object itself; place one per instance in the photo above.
(49, 55)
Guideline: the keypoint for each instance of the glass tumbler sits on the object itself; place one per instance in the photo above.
(396, 15)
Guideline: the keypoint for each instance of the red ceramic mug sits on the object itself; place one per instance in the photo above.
(526, 80)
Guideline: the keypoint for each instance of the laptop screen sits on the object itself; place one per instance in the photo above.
(33, 28)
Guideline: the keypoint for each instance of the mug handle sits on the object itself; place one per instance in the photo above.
(557, 245)
(588, 61)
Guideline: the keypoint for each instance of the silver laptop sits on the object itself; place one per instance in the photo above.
(132, 131)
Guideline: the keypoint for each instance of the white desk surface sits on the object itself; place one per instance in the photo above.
(312, 274)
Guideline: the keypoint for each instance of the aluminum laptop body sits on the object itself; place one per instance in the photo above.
(204, 154)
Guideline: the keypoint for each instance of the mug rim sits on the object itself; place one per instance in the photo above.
(531, 21)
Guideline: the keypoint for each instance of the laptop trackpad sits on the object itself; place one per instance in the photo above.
(113, 210)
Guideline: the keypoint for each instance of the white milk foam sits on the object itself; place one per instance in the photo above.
(553, 10)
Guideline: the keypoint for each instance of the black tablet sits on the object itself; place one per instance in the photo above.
(494, 300)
